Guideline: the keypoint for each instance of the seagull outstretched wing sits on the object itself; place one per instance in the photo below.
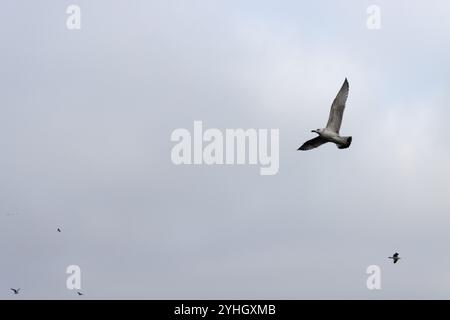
(313, 143)
(337, 108)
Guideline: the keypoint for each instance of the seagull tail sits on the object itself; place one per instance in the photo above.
(348, 142)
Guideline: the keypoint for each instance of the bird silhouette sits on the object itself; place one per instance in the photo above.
(59, 230)
(395, 257)
(79, 293)
(16, 291)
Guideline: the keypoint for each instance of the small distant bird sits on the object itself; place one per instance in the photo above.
(395, 257)
(331, 132)
(59, 230)
(79, 293)
(12, 214)
(16, 291)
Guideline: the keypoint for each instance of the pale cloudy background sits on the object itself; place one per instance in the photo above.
(85, 124)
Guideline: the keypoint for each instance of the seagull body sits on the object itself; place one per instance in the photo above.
(331, 132)
(395, 257)
(16, 291)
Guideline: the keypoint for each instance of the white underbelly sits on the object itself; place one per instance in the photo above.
(333, 137)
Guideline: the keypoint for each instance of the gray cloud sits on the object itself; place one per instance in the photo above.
(85, 124)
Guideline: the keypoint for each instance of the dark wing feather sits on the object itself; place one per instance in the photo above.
(313, 143)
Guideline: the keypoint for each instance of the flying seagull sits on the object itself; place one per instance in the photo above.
(331, 132)
(16, 291)
(395, 257)
(79, 293)
(59, 230)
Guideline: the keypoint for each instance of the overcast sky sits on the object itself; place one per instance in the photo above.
(85, 123)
